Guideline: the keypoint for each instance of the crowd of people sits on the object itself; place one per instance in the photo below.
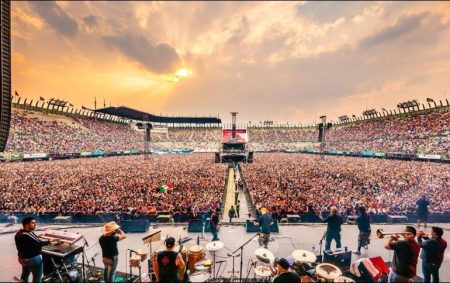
(292, 183)
(426, 133)
(37, 132)
(191, 184)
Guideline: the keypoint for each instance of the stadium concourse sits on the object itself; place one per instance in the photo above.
(410, 154)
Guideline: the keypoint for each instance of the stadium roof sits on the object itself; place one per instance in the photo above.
(133, 114)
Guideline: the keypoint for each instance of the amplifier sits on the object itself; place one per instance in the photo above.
(339, 257)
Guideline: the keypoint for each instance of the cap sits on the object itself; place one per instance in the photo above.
(170, 242)
(283, 263)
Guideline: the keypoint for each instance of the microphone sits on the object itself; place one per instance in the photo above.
(133, 251)
(220, 261)
(86, 242)
(198, 240)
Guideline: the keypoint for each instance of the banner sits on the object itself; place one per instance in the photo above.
(34, 155)
(241, 135)
(429, 156)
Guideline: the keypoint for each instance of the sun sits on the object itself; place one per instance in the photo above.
(182, 73)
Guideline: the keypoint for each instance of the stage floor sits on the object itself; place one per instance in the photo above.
(291, 237)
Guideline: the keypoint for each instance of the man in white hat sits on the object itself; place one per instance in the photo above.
(108, 242)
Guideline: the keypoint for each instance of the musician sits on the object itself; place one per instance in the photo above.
(284, 275)
(214, 224)
(108, 242)
(29, 248)
(422, 211)
(363, 222)
(432, 253)
(406, 253)
(169, 263)
(334, 222)
(264, 221)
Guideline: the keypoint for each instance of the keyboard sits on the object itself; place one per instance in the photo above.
(62, 250)
(65, 237)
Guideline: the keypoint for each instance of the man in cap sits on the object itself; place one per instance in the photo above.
(284, 275)
(406, 253)
(111, 234)
(169, 265)
(264, 221)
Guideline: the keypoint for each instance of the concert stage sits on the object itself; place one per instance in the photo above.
(290, 237)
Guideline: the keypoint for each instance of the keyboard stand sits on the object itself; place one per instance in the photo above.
(57, 269)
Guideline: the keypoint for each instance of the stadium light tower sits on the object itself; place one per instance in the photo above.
(233, 126)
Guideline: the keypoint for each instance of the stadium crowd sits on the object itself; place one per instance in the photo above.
(427, 133)
(292, 182)
(36, 132)
(113, 184)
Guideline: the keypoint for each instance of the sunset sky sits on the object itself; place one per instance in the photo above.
(282, 61)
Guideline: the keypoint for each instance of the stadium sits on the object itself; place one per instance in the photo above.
(325, 201)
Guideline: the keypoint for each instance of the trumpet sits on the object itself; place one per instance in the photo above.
(381, 234)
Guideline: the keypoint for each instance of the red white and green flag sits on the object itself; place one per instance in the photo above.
(165, 188)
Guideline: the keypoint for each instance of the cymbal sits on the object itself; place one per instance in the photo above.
(328, 271)
(304, 256)
(264, 255)
(214, 246)
(343, 279)
(263, 271)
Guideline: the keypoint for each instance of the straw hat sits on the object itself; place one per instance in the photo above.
(263, 210)
(110, 227)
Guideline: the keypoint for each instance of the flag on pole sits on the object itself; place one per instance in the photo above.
(41, 98)
(16, 93)
(70, 104)
(430, 99)
(85, 108)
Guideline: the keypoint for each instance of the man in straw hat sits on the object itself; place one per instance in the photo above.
(169, 265)
(111, 234)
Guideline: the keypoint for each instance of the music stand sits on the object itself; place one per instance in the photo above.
(155, 237)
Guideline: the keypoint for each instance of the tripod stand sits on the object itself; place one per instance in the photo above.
(241, 248)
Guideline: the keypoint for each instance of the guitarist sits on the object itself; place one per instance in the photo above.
(169, 265)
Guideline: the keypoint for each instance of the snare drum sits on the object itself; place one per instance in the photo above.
(196, 254)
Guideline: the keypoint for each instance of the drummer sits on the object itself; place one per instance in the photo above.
(169, 263)
(283, 274)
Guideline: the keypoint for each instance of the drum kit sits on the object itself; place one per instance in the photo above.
(304, 264)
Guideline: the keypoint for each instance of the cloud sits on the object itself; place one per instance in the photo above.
(403, 27)
(330, 11)
(157, 58)
(90, 21)
(56, 17)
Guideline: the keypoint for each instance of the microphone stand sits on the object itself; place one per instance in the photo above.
(320, 246)
(242, 253)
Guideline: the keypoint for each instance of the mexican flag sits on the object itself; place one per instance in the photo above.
(164, 188)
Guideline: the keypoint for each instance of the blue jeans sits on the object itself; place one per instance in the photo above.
(429, 270)
(34, 266)
(110, 269)
(394, 277)
(329, 237)
(214, 232)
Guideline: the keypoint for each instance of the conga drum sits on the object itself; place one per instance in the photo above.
(196, 254)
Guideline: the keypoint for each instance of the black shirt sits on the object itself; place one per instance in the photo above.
(363, 223)
(287, 277)
(28, 244)
(168, 270)
(214, 221)
(406, 254)
(433, 250)
(422, 206)
(334, 223)
(109, 245)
